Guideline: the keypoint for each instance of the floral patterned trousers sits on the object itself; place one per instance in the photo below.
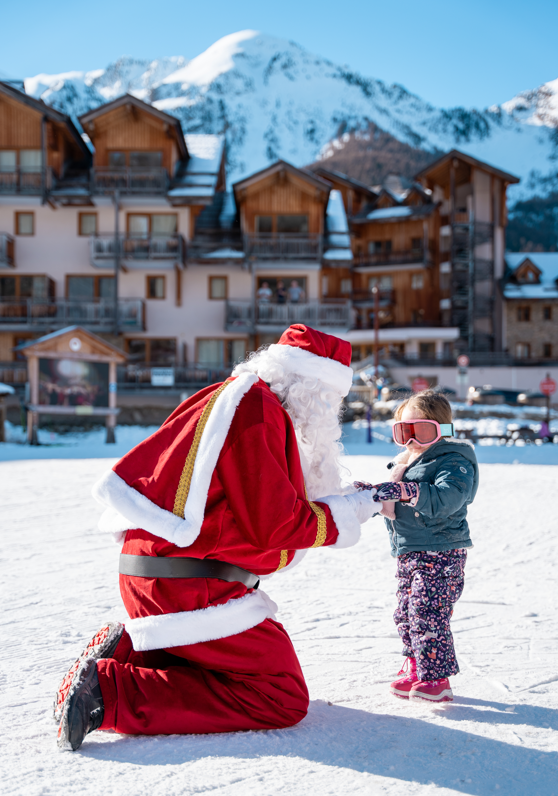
(428, 585)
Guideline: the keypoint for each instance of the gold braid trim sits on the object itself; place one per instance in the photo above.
(186, 477)
(322, 521)
(283, 560)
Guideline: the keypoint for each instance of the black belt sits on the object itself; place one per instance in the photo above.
(155, 567)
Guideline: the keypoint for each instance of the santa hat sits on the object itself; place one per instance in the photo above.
(307, 352)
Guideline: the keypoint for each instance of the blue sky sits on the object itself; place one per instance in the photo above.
(472, 53)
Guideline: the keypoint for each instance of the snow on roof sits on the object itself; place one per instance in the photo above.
(338, 254)
(335, 213)
(547, 288)
(390, 212)
(5, 389)
(228, 212)
(205, 151)
(192, 190)
(225, 254)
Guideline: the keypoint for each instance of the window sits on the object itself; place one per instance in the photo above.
(218, 287)
(87, 288)
(37, 287)
(427, 350)
(146, 160)
(142, 225)
(264, 224)
(87, 224)
(30, 160)
(292, 225)
(383, 282)
(379, 247)
(547, 313)
(218, 353)
(417, 281)
(325, 285)
(155, 288)
(524, 313)
(346, 286)
(547, 350)
(8, 161)
(522, 350)
(117, 160)
(25, 223)
(155, 351)
(417, 245)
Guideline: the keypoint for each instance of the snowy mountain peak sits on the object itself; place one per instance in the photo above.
(274, 99)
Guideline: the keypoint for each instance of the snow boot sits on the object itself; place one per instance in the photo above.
(102, 645)
(401, 688)
(83, 709)
(432, 690)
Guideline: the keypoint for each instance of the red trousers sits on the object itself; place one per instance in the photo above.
(251, 681)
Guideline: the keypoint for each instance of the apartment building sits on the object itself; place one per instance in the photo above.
(126, 227)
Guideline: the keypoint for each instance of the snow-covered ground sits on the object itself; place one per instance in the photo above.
(500, 735)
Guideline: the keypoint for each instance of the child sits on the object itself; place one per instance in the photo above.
(425, 508)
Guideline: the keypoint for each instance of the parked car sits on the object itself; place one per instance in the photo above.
(532, 399)
(485, 395)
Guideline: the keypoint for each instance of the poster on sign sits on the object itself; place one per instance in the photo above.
(419, 384)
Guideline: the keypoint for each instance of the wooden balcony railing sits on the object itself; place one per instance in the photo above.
(22, 181)
(386, 297)
(423, 256)
(44, 314)
(165, 248)
(7, 251)
(243, 315)
(284, 247)
(129, 181)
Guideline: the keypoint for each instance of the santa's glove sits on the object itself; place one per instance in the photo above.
(363, 505)
(396, 491)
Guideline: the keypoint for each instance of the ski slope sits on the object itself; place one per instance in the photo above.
(500, 735)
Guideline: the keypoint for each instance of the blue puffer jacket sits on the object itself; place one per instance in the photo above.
(448, 477)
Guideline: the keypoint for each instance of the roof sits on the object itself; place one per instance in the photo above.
(344, 179)
(477, 164)
(202, 171)
(546, 288)
(48, 112)
(338, 239)
(129, 99)
(98, 341)
(282, 165)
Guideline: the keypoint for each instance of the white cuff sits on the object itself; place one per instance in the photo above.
(344, 518)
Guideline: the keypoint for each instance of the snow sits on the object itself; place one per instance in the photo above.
(338, 254)
(547, 262)
(226, 253)
(499, 735)
(390, 212)
(205, 152)
(217, 59)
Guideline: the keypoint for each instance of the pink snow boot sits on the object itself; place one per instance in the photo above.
(102, 645)
(401, 688)
(432, 690)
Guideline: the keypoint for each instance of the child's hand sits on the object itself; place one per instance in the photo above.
(362, 486)
(395, 491)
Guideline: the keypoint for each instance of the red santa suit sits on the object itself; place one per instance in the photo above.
(221, 479)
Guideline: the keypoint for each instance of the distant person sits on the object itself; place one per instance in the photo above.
(296, 293)
(425, 509)
(264, 293)
(281, 293)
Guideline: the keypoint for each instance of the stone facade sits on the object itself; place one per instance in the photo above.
(527, 324)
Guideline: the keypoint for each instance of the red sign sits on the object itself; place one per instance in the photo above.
(548, 386)
(419, 384)
(463, 361)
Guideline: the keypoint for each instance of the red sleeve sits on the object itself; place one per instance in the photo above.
(254, 473)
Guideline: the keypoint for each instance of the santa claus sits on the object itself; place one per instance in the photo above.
(239, 482)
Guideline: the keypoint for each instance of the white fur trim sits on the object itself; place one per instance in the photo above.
(114, 493)
(298, 360)
(205, 624)
(345, 520)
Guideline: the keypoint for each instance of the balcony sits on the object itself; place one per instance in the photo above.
(25, 182)
(406, 257)
(135, 252)
(366, 298)
(210, 246)
(7, 251)
(277, 317)
(35, 314)
(129, 181)
(283, 246)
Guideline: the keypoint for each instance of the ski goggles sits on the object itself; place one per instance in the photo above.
(423, 432)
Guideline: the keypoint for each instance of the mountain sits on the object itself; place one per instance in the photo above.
(275, 99)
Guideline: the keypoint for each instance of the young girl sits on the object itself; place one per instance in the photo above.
(425, 508)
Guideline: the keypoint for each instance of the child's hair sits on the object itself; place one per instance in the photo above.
(429, 404)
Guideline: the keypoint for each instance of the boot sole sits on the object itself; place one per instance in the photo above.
(444, 696)
(66, 728)
(400, 694)
(102, 648)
